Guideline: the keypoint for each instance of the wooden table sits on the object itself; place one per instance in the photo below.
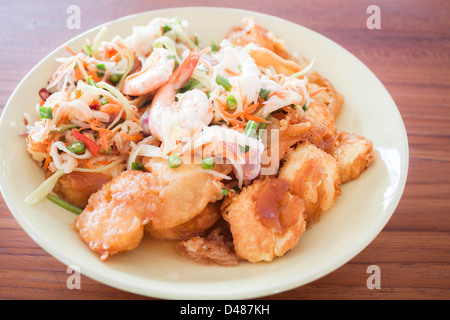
(410, 54)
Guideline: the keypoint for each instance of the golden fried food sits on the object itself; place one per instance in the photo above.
(214, 248)
(329, 97)
(184, 191)
(114, 218)
(265, 58)
(322, 124)
(353, 154)
(265, 219)
(194, 227)
(76, 187)
(314, 177)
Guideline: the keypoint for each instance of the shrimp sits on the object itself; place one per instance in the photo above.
(272, 213)
(191, 109)
(314, 177)
(155, 72)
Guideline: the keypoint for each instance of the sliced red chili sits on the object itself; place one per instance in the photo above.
(90, 145)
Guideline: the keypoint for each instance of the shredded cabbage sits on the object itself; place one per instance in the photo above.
(44, 188)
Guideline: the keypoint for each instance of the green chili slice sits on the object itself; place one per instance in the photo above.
(77, 147)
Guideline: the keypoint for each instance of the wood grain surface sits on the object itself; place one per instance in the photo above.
(410, 54)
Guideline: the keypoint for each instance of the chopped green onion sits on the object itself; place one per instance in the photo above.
(166, 28)
(137, 166)
(103, 101)
(64, 204)
(250, 129)
(305, 108)
(101, 66)
(67, 127)
(225, 192)
(45, 112)
(213, 47)
(109, 151)
(87, 50)
(115, 78)
(264, 93)
(222, 81)
(91, 81)
(236, 188)
(203, 68)
(196, 40)
(231, 102)
(208, 163)
(77, 147)
(190, 85)
(174, 161)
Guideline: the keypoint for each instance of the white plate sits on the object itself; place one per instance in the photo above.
(154, 268)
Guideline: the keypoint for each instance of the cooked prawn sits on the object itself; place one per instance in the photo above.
(191, 109)
(155, 72)
(265, 219)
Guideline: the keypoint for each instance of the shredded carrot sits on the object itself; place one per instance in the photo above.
(87, 164)
(70, 50)
(232, 72)
(131, 137)
(48, 157)
(317, 91)
(254, 118)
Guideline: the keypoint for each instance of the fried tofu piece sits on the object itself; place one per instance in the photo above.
(329, 97)
(114, 219)
(353, 153)
(77, 187)
(185, 191)
(195, 227)
(265, 58)
(265, 220)
(322, 125)
(314, 177)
